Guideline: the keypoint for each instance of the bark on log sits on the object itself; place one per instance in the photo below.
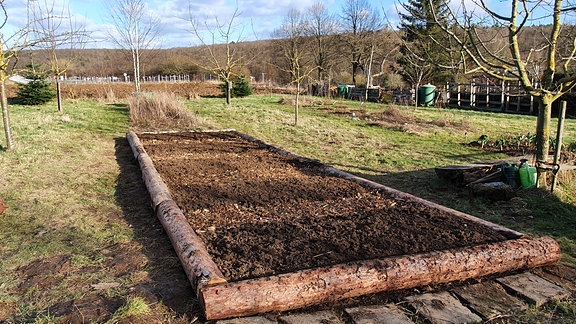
(313, 286)
(511, 234)
(192, 252)
(156, 187)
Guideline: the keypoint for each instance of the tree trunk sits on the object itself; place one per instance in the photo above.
(58, 93)
(543, 135)
(297, 104)
(228, 92)
(6, 116)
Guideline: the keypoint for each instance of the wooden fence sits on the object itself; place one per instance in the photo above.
(505, 98)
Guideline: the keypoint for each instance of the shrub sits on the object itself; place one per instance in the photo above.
(240, 88)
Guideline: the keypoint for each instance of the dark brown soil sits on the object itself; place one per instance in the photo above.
(263, 213)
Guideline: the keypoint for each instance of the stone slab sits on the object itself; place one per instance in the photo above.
(442, 308)
(322, 317)
(535, 289)
(378, 314)
(559, 274)
(247, 320)
(489, 299)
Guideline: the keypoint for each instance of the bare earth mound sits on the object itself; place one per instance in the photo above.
(261, 213)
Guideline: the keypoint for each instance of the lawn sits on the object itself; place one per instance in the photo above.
(79, 240)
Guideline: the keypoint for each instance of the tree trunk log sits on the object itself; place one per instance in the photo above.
(191, 251)
(157, 189)
(313, 286)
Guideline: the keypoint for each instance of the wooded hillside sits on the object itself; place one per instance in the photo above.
(263, 60)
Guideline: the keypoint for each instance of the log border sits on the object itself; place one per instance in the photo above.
(221, 299)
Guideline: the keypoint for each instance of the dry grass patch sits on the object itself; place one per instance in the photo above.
(159, 110)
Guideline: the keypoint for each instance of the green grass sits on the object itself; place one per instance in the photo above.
(59, 183)
(62, 184)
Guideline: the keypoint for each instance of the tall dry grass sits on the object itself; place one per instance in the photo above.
(159, 110)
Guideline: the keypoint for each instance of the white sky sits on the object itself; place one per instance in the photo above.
(259, 17)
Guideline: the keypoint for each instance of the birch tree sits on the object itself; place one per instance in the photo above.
(513, 60)
(135, 29)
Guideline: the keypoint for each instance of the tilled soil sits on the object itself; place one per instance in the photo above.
(261, 213)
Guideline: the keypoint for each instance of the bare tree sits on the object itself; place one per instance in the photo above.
(135, 29)
(360, 21)
(292, 42)
(11, 43)
(512, 61)
(58, 32)
(321, 26)
(214, 35)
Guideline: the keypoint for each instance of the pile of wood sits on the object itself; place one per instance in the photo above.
(486, 180)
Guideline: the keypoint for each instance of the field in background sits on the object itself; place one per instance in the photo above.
(79, 240)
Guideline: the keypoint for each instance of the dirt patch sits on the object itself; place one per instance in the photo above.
(403, 120)
(262, 213)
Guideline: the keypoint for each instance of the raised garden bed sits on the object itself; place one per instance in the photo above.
(259, 229)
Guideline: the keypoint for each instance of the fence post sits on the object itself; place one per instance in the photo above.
(458, 97)
(503, 96)
(472, 95)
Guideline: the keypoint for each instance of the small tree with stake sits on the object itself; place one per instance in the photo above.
(38, 91)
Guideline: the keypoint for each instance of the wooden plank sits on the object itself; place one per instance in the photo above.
(536, 290)
(442, 308)
(489, 299)
(378, 314)
(325, 284)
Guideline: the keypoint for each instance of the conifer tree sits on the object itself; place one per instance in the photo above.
(425, 45)
(36, 92)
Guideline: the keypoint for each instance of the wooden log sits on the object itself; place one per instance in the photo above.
(135, 144)
(192, 252)
(157, 189)
(327, 284)
(408, 197)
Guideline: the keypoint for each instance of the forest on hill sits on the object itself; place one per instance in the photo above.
(265, 61)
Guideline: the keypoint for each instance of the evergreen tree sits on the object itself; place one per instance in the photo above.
(240, 88)
(426, 46)
(36, 92)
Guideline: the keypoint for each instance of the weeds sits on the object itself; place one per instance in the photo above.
(158, 110)
(134, 307)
